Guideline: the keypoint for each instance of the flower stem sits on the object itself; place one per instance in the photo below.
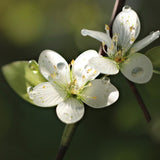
(139, 100)
(117, 8)
(67, 136)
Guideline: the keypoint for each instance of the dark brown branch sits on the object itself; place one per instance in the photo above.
(140, 100)
(117, 8)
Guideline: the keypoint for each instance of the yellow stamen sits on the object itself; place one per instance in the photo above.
(72, 62)
(119, 52)
(75, 81)
(89, 70)
(95, 72)
(94, 97)
(53, 75)
(44, 87)
(132, 39)
(83, 77)
(131, 28)
(90, 84)
(107, 27)
(54, 67)
(103, 44)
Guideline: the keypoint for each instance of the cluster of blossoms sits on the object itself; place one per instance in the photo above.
(69, 85)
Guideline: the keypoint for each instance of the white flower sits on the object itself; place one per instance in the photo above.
(68, 88)
(122, 53)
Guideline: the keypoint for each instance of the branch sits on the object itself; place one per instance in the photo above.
(117, 8)
(66, 139)
(139, 100)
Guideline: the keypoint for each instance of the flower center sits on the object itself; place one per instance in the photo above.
(119, 57)
(73, 88)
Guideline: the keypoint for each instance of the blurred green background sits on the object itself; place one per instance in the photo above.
(118, 132)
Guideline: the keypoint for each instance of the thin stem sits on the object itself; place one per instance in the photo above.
(67, 136)
(139, 100)
(117, 8)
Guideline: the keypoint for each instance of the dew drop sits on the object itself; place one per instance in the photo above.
(126, 8)
(32, 64)
(30, 92)
(137, 71)
(29, 89)
(84, 32)
(105, 80)
(61, 65)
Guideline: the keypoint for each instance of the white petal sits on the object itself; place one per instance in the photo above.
(81, 70)
(145, 42)
(137, 68)
(53, 66)
(127, 26)
(100, 93)
(47, 95)
(100, 36)
(104, 65)
(70, 110)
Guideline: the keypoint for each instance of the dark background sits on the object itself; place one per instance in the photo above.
(117, 132)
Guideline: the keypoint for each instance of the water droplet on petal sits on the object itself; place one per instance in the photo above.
(137, 71)
(84, 32)
(30, 92)
(32, 64)
(29, 89)
(61, 65)
(126, 8)
(105, 80)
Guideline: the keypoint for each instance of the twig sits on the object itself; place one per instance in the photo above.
(139, 100)
(66, 139)
(117, 8)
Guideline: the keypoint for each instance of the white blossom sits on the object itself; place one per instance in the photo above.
(121, 50)
(70, 85)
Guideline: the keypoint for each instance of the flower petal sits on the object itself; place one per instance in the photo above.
(100, 93)
(127, 26)
(137, 68)
(46, 95)
(104, 65)
(70, 110)
(81, 70)
(145, 42)
(53, 66)
(100, 36)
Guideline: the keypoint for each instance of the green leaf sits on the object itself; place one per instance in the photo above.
(22, 74)
(154, 55)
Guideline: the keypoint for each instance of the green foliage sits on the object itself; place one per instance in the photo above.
(22, 74)
(154, 55)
